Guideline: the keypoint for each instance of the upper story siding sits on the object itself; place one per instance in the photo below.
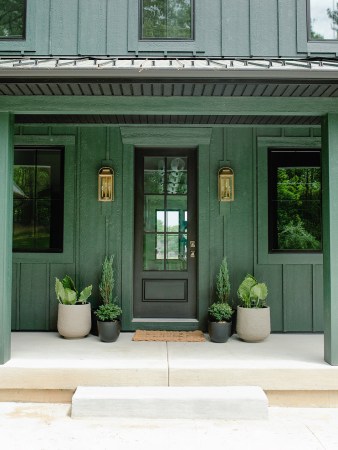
(229, 28)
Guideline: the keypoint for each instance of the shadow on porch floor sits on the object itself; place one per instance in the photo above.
(289, 367)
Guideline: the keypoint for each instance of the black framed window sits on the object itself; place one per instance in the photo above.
(295, 200)
(323, 20)
(38, 199)
(12, 19)
(166, 19)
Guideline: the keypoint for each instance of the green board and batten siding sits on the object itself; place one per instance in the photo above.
(95, 229)
(231, 28)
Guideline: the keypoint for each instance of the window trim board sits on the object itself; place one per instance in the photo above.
(262, 232)
(68, 254)
(18, 38)
(195, 45)
(277, 161)
(28, 43)
(304, 44)
(140, 27)
(58, 236)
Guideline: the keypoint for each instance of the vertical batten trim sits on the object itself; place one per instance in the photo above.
(77, 185)
(6, 225)
(330, 237)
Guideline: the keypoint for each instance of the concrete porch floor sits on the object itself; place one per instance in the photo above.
(289, 367)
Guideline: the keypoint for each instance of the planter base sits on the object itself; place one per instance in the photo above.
(219, 332)
(74, 321)
(253, 324)
(109, 331)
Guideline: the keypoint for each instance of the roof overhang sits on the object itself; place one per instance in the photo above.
(215, 78)
(175, 68)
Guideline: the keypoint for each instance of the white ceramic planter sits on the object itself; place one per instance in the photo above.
(74, 321)
(253, 324)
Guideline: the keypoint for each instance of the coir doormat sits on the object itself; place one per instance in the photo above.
(169, 336)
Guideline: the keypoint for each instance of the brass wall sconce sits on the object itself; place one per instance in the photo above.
(226, 184)
(106, 184)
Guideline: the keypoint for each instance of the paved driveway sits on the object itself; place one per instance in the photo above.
(49, 427)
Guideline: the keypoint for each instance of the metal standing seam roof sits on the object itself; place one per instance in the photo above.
(173, 67)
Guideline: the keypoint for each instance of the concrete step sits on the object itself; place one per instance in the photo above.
(227, 403)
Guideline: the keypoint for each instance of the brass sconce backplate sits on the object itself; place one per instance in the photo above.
(226, 185)
(106, 184)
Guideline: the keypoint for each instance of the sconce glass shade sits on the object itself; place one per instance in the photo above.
(226, 191)
(106, 184)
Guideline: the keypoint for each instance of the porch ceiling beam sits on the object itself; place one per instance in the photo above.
(171, 105)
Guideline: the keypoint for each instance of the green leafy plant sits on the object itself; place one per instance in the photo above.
(251, 293)
(67, 294)
(108, 312)
(107, 283)
(223, 286)
(220, 312)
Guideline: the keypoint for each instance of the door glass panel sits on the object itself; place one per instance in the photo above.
(152, 205)
(160, 220)
(153, 251)
(176, 252)
(177, 207)
(177, 176)
(173, 221)
(154, 169)
(165, 213)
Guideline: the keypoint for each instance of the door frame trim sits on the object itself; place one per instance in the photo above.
(133, 137)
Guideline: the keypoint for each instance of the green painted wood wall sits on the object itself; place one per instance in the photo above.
(233, 28)
(96, 229)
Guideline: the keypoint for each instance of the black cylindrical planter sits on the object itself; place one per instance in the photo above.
(109, 331)
(219, 331)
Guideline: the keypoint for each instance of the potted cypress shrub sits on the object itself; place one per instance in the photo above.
(109, 312)
(253, 314)
(220, 312)
(74, 312)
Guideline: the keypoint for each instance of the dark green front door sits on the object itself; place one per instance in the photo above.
(165, 234)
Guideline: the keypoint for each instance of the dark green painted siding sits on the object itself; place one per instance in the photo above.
(233, 28)
(295, 288)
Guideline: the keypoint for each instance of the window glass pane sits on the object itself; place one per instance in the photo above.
(323, 19)
(295, 200)
(38, 200)
(12, 18)
(42, 221)
(154, 19)
(179, 19)
(166, 19)
(299, 208)
(24, 174)
(23, 224)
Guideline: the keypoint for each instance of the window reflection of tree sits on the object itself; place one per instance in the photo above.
(12, 14)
